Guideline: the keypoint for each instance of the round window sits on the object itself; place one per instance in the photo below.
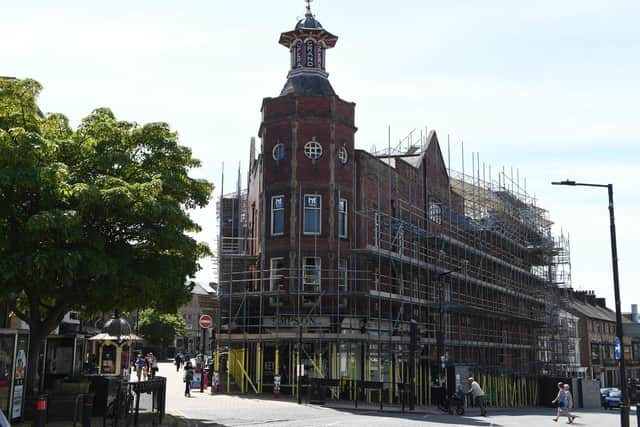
(313, 149)
(343, 155)
(279, 151)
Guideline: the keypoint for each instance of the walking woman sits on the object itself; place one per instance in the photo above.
(564, 400)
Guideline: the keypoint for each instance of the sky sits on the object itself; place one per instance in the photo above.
(548, 88)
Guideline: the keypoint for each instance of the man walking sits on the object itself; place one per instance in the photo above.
(178, 361)
(139, 364)
(478, 395)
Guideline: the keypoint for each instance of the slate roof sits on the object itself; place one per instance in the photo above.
(202, 289)
(308, 85)
(592, 311)
(630, 329)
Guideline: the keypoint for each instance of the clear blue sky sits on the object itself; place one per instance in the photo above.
(548, 87)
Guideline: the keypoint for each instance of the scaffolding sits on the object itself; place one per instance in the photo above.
(473, 262)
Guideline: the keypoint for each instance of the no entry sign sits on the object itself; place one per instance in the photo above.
(205, 321)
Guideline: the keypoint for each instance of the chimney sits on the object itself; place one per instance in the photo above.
(580, 295)
(634, 313)
(601, 302)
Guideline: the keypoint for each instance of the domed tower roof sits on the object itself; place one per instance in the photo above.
(309, 22)
(308, 43)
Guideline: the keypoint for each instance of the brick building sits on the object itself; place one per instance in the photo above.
(332, 252)
(597, 331)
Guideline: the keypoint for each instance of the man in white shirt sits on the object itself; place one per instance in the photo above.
(478, 395)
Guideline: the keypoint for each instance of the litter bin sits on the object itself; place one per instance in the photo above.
(317, 394)
(105, 389)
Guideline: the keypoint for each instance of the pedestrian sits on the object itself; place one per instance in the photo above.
(153, 365)
(564, 400)
(187, 377)
(139, 366)
(146, 368)
(478, 395)
(178, 362)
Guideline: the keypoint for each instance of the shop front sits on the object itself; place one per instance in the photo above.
(14, 352)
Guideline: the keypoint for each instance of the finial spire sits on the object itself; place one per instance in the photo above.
(308, 2)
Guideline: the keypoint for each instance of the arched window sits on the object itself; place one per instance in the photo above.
(435, 212)
(309, 54)
(297, 54)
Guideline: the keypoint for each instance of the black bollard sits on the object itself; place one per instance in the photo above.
(87, 410)
(40, 417)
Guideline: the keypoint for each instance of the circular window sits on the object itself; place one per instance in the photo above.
(279, 151)
(343, 155)
(313, 149)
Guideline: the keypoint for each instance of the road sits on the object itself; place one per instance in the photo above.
(223, 410)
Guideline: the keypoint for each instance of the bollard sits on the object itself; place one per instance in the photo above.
(40, 417)
(87, 410)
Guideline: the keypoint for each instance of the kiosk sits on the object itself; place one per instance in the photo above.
(14, 354)
(115, 344)
(114, 353)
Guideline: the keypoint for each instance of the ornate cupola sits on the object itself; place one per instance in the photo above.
(308, 43)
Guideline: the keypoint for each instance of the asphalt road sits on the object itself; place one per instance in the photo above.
(222, 410)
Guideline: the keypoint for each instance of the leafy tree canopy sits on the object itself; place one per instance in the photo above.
(95, 217)
(160, 328)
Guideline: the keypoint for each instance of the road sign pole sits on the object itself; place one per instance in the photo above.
(204, 358)
(205, 322)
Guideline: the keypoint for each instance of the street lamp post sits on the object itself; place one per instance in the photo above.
(440, 336)
(624, 407)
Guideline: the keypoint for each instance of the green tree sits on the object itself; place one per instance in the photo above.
(159, 329)
(92, 218)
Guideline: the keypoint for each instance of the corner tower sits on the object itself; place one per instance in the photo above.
(308, 43)
(304, 181)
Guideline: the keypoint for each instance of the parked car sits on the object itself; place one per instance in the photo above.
(604, 392)
(612, 400)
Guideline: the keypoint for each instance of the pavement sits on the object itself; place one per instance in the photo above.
(204, 409)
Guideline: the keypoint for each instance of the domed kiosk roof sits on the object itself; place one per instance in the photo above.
(116, 329)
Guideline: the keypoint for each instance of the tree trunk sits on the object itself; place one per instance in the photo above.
(39, 328)
(35, 345)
